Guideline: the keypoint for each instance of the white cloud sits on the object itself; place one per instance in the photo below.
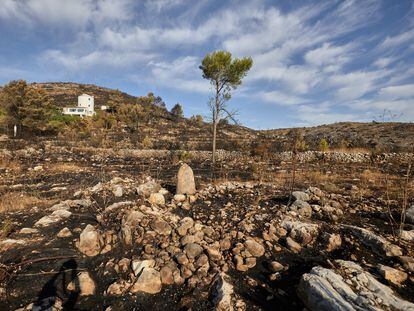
(73, 13)
(398, 91)
(182, 74)
(328, 54)
(74, 62)
(159, 5)
(282, 99)
(355, 84)
(383, 62)
(394, 41)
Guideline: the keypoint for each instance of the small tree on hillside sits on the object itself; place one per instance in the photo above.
(177, 111)
(197, 119)
(323, 145)
(12, 100)
(225, 74)
(115, 100)
(26, 106)
(37, 110)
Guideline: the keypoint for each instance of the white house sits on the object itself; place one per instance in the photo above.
(86, 107)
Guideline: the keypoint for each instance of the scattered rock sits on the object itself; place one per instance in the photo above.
(84, 284)
(300, 196)
(376, 243)
(156, 198)
(118, 191)
(167, 276)
(64, 233)
(275, 266)
(392, 275)
(293, 245)
(28, 231)
(222, 293)
(139, 265)
(148, 188)
(90, 242)
(179, 198)
(193, 250)
(254, 248)
(407, 262)
(149, 281)
(161, 227)
(332, 241)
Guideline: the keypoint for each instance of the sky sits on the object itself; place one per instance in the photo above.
(314, 62)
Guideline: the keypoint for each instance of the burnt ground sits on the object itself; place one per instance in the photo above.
(45, 264)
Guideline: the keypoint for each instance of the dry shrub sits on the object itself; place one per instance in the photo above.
(331, 188)
(16, 201)
(10, 164)
(6, 228)
(373, 177)
(63, 167)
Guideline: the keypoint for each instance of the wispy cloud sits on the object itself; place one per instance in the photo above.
(321, 61)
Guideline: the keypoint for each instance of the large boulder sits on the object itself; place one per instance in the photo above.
(377, 243)
(326, 289)
(90, 242)
(185, 180)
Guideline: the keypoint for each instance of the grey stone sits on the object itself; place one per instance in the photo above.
(325, 289)
(301, 196)
(376, 243)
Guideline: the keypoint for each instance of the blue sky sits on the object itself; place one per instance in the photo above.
(315, 62)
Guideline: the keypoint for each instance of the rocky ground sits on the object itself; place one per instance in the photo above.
(104, 231)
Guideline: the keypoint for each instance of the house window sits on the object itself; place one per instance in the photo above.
(72, 110)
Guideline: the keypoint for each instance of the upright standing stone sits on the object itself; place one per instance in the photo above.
(185, 180)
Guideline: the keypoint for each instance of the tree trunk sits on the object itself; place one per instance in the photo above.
(214, 141)
(215, 121)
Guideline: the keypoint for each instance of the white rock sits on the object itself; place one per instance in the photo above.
(139, 265)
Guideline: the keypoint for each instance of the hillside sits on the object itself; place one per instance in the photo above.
(391, 136)
(168, 132)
